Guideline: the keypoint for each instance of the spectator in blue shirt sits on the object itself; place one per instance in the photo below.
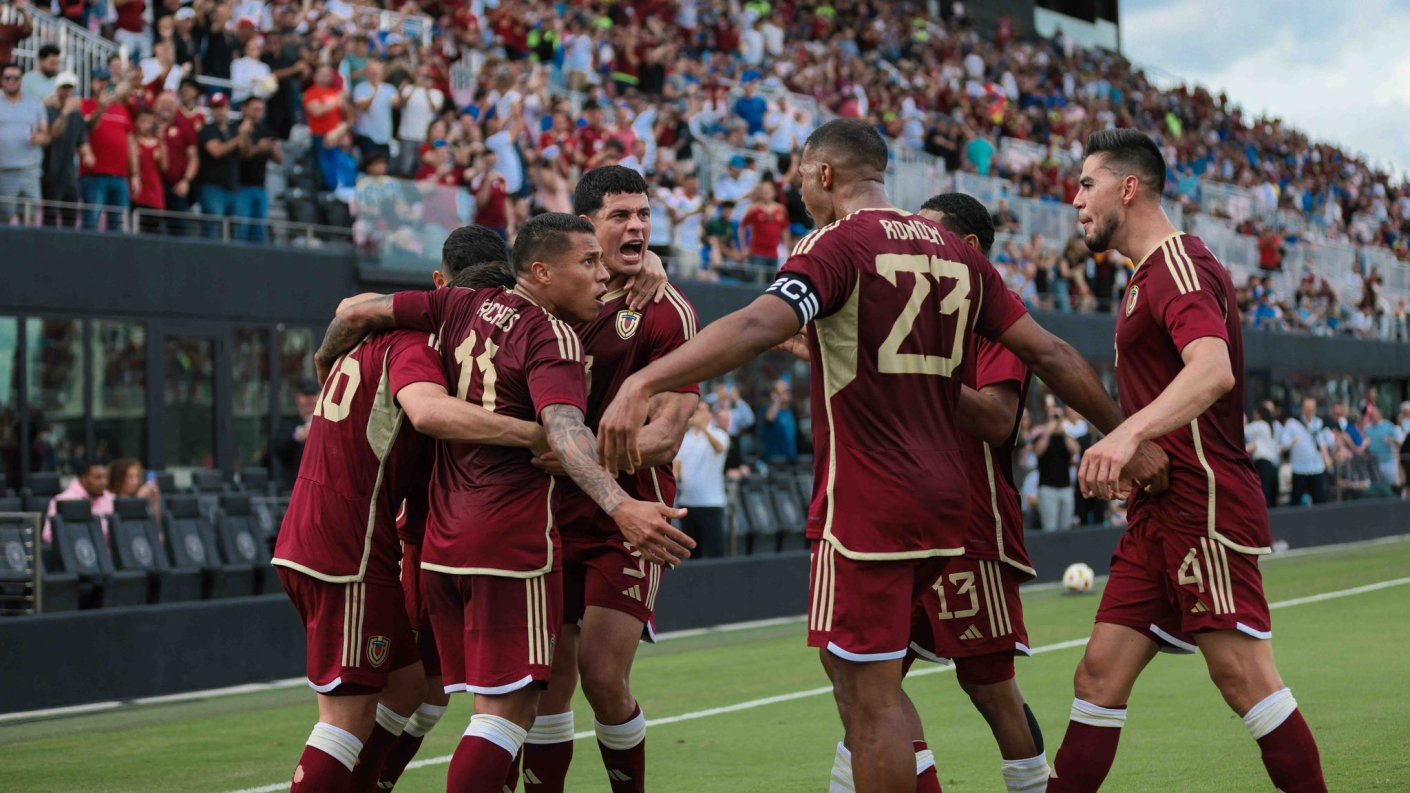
(979, 152)
(752, 108)
(781, 426)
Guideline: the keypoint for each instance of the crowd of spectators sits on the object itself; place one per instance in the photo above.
(420, 116)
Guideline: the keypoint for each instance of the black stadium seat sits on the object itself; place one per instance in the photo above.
(138, 546)
(19, 554)
(242, 541)
(40, 488)
(803, 482)
(792, 516)
(756, 511)
(191, 541)
(78, 534)
(255, 481)
(166, 482)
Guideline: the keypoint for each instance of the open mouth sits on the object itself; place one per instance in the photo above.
(632, 252)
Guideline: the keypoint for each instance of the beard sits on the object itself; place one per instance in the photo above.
(1099, 239)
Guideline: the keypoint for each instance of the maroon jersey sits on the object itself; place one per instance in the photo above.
(490, 510)
(896, 297)
(340, 526)
(995, 512)
(619, 343)
(1178, 294)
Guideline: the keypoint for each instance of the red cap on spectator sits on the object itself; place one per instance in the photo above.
(246, 24)
(220, 100)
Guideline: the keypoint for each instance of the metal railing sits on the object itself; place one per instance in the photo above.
(402, 223)
(37, 213)
(80, 50)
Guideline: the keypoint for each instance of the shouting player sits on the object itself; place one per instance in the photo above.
(890, 299)
(609, 588)
(492, 556)
(972, 615)
(475, 257)
(1185, 574)
(337, 551)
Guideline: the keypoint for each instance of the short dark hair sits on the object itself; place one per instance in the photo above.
(963, 214)
(10, 65)
(47, 50)
(472, 245)
(851, 137)
(484, 275)
(546, 237)
(87, 464)
(595, 185)
(1133, 152)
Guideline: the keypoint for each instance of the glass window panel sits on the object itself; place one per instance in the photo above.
(55, 359)
(9, 402)
(250, 396)
(120, 389)
(190, 403)
(296, 371)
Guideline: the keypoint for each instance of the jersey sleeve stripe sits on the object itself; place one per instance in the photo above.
(1191, 270)
(687, 318)
(1175, 270)
(806, 244)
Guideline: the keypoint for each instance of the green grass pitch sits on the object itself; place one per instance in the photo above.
(1344, 657)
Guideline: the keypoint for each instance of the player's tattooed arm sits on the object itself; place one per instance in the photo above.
(643, 524)
(354, 320)
(576, 449)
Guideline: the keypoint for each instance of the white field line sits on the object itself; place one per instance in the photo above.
(824, 690)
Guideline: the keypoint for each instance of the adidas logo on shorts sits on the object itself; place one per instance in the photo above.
(1199, 608)
(633, 592)
(971, 633)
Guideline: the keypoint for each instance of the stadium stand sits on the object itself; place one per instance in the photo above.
(138, 545)
(83, 550)
(191, 539)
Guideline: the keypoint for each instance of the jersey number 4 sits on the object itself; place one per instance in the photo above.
(470, 362)
(926, 272)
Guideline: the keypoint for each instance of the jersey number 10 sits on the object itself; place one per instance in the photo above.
(926, 270)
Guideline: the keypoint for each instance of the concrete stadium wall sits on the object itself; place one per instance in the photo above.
(121, 654)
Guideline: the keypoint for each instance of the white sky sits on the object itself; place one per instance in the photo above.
(1339, 72)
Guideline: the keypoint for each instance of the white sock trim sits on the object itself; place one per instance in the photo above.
(390, 720)
(841, 779)
(1028, 775)
(426, 717)
(925, 760)
(499, 731)
(335, 742)
(1084, 712)
(622, 736)
(1270, 714)
(553, 728)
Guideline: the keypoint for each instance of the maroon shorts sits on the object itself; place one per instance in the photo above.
(861, 610)
(416, 610)
(1171, 585)
(972, 609)
(609, 573)
(495, 634)
(357, 632)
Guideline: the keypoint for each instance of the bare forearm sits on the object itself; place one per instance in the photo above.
(576, 448)
(450, 419)
(1070, 377)
(984, 417)
(351, 324)
(1190, 394)
(723, 346)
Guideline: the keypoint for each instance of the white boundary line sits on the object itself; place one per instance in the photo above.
(824, 690)
(292, 682)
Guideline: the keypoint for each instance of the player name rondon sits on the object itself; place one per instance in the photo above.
(911, 230)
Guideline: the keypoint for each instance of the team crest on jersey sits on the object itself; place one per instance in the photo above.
(377, 647)
(627, 323)
(1131, 299)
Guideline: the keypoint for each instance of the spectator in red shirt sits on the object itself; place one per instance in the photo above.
(108, 161)
(324, 104)
(148, 189)
(16, 25)
(180, 136)
(131, 28)
(1270, 251)
(491, 196)
(764, 228)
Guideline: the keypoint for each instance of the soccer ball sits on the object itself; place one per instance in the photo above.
(1078, 578)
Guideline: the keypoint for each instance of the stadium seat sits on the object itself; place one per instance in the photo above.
(40, 488)
(792, 516)
(78, 534)
(255, 481)
(757, 512)
(208, 486)
(11, 504)
(191, 541)
(242, 541)
(269, 515)
(803, 482)
(20, 551)
(137, 545)
(166, 482)
(5, 485)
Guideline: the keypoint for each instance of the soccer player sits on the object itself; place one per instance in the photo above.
(1185, 574)
(337, 553)
(474, 257)
(890, 300)
(492, 557)
(972, 615)
(610, 590)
